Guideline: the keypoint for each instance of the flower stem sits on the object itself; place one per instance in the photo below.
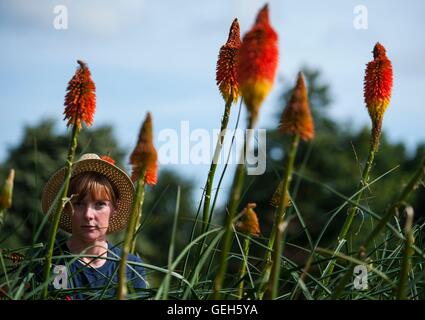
(59, 208)
(352, 211)
(137, 223)
(244, 266)
(136, 212)
(213, 167)
(278, 227)
(363, 182)
(2, 217)
(232, 207)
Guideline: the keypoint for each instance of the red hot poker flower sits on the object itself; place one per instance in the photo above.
(80, 99)
(378, 83)
(144, 155)
(248, 222)
(151, 176)
(258, 60)
(296, 117)
(228, 56)
(108, 159)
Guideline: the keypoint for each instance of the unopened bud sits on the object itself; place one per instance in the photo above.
(7, 191)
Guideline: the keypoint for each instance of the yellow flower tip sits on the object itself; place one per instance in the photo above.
(226, 73)
(7, 191)
(248, 223)
(254, 93)
(144, 155)
(297, 117)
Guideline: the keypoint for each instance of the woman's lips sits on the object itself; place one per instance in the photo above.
(89, 227)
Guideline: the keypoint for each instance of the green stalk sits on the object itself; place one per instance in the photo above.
(209, 183)
(2, 217)
(352, 211)
(244, 266)
(137, 223)
(136, 211)
(363, 182)
(406, 266)
(279, 223)
(201, 247)
(59, 208)
(171, 249)
(232, 207)
(213, 167)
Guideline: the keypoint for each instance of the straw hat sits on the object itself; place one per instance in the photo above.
(118, 178)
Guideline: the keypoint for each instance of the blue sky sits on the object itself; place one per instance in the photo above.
(161, 56)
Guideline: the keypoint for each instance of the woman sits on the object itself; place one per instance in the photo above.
(100, 199)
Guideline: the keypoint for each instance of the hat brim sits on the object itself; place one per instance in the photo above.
(115, 175)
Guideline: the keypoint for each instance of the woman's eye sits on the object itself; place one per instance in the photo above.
(100, 204)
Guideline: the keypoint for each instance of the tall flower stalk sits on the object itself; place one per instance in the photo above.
(248, 224)
(297, 121)
(143, 160)
(227, 82)
(144, 155)
(378, 83)
(80, 106)
(256, 71)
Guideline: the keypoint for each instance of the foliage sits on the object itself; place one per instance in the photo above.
(327, 172)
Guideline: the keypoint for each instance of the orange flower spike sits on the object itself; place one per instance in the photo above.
(144, 155)
(80, 99)
(378, 84)
(249, 221)
(296, 117)
(228, 56)
(258, 60)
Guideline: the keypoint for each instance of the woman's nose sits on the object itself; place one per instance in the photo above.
(89, 212)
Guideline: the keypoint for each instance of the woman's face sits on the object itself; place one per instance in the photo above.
(90, 220)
